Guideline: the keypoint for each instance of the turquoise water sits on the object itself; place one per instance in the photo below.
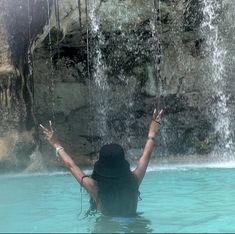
(177, 199)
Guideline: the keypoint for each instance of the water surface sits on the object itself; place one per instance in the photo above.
(174, 199)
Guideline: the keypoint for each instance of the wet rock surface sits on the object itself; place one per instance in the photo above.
(65, 50)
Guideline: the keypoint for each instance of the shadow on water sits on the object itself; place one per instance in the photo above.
(137, 224)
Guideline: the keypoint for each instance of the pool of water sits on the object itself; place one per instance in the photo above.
(174, 199)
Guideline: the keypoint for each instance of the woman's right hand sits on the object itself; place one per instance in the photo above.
(155, 123)
(49, 135)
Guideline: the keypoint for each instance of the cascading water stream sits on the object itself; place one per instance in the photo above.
(80, 13)
(99, 76)
(156, 29)
(52, 84)
(216, 77)
(57, 17)
(103, 88)
(30, 76)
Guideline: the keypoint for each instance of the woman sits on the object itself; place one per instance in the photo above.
(113, 187)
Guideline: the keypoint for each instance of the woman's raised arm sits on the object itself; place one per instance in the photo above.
(88, 183)
(149, 145)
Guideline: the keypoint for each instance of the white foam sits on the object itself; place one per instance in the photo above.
(15, 175)
(188, 166)
(160, 167)
(53, 173)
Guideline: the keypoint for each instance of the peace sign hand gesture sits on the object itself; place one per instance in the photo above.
(155, 123)
(49, 135)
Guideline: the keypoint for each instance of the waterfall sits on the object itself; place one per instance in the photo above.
(157, 83)
(113, 104)
(51, 86)
(100, 67)
(216, 77)
(99, 76)
(155, 24)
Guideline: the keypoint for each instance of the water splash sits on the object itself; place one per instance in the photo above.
(217, 81)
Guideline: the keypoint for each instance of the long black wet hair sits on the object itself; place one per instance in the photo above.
(117, 196)
(117, 186)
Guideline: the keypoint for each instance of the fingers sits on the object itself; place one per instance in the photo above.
(45, 135)
(44, 129)
(155, 113)
(48, 133)
(159, 114)
(51, 126)
(156, 117)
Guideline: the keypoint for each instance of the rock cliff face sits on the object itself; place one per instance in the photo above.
(92, 67)
(10, 99)
(17, 126)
